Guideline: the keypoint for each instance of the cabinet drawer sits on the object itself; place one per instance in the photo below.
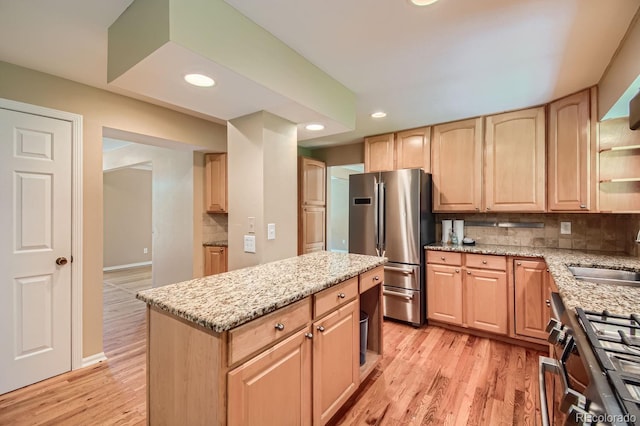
(260, 333)
(331, 298)
(484, 261)
(444, 257)
(371, 278)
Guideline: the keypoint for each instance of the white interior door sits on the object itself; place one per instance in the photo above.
(35, 229)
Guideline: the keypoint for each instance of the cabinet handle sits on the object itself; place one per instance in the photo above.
(442, 258)
(468, 272)
(458, 271)
(583, 206)
(376, 278)
(308, 335)
(484, 262)
(519, 263)
(320, 328)
(548, 303)
(342, 295)
(279, 326)
(488, 208)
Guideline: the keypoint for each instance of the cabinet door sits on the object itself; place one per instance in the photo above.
(312, 182)
(336, 361)
(515, 161)
(456, 163)
(273, 386)
(216, 183)
(378, 153)
(413, 149)
(531, 288)
(312, 230)
(486, 300)
(215, 260)
(444, 293)
(569, 153)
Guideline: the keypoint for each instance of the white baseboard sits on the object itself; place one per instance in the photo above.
(127, 266)
(93, 359)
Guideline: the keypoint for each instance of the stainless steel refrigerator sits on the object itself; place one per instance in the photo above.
(390, 215)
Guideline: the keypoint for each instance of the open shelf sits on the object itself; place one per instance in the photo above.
(636, 179)
(371, 361)
(621, 148)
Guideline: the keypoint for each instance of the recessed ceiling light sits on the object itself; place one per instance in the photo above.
(423, 2)
(314, 127)
(379, 114)
(199, 80)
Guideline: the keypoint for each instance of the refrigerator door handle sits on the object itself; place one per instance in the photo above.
(376, 219)
(381, 218)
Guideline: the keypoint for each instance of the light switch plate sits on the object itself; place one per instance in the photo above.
(249, 243)
(565, 228)
(271, 231)
(251, 225)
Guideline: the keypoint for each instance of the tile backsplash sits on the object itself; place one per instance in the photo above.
(598, 232)
(214, 227)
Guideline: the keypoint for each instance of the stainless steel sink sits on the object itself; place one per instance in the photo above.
(606, 276)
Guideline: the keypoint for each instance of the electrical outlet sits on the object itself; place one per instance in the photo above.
(145, 250)
(251, 225)
(271, 231)
(565, 228)
(249, 243)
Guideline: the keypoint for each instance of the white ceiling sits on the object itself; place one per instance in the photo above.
(451, 60)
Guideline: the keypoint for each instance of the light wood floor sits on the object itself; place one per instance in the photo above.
(428, 376)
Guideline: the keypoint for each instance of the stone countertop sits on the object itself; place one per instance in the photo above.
(618, 299)
(220, 243)
(224, 301)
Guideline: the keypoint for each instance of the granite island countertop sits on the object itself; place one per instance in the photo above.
(216, 243)
(223, 301)
(597, 297)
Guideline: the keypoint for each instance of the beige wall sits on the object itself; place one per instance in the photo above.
(262, 170)
(102, 109)
(340, 155)
(127, 217)
(173, 200)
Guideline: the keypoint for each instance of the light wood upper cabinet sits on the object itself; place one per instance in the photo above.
(570, 154)
(457, 166)
(413, 149)
(312, 180)
(274, 385)
(216, 183)
(531, 286)
(312, 201)
(379, 153)
(215, 260)
(336, 369)
(515, 161)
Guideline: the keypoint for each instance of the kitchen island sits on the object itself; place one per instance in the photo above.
(278, 341)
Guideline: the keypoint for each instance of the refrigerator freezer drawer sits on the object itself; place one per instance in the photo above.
(401, 275)
(401, 304)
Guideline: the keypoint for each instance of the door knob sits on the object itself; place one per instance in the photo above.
(61, 261)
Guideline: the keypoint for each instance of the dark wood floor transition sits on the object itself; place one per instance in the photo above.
(428, 376)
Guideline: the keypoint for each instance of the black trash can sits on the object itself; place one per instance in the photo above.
(364, 328)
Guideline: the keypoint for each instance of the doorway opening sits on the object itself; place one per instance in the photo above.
(338, 205)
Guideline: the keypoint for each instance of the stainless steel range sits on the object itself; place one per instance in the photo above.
(594, 374)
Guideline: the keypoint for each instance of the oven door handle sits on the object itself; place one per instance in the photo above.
(396, 294)
(545, 364)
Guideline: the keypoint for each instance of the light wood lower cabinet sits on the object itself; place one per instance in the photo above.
(444, 293)
(532, 290)
(472, 293)
(486, 300)
(336, 349)
(215, 260)
(273, 386)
